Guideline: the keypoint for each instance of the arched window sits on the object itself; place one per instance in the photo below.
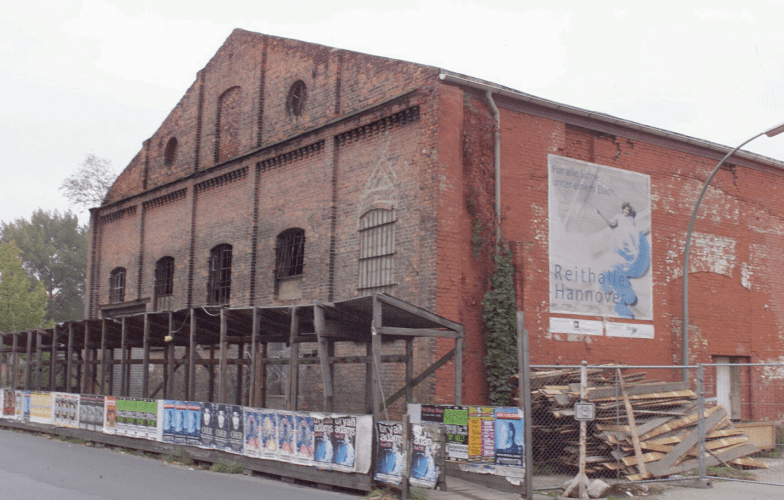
(164, 283)
(117, 285)
(377, 251)
(298, 94)
(170, 153)
(227, 144)
(219, 280)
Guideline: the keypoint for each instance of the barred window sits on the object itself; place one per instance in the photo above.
(117, 285)
(219, 282)
(377, 251)
(164, 283)
(290, 253)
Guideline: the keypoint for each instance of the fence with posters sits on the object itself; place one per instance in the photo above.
(327, 441)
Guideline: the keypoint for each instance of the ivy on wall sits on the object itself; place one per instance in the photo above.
(500, 315)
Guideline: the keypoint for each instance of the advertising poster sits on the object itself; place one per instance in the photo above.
(344, 443)
(424, 463)
(390, 459)
(209, 416)
(269, 434)
(432, 413)
(236, 429)
(252, 419)
(137, 417)
(286, 446)
(66, 412)
(599, 240)
(41, 407)
(303, 423)
(456, 433)
(221, 438)
(192, 430)
(324, 453)
(481, 434)
(91, 412)
(9, 404)
(509, 436)
(168, 434)
(23, 405)
(110, 416)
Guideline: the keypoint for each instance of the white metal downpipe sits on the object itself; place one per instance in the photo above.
(497, 165)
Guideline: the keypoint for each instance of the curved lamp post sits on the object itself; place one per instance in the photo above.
(685, 337)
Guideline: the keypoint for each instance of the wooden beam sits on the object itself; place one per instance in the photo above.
(417, 332)
(254, 354)
(409, 370)
(420, 378)
(15, 365)
(38, 363)
(632, 428)
(459, 370)
(102, 382)
(124, 382)
(28, 361)
(417, 311)
(86, 365)
(378, 323)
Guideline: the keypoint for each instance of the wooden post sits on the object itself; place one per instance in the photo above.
(326, 361)
(168, 382)
(69, 359)
(459, 370)
(192, 359)
(525, 401)
(254, 353)
(211, 382)
(409, 369)
(376, 357)
(27, 381)
(86, 365)
(146, 357)
(262, 402)
(123, 358)
(53, 361)
(102, 382)
(293, 383)
(38, 364)
(369, 377)
(222, 367)
(240, 366)
(15, 365)
(407, 451)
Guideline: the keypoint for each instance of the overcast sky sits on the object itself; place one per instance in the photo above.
(101, 75)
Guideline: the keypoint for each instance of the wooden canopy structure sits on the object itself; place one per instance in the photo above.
(85, 353)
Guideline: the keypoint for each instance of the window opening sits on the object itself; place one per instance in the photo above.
(290, 253)
(170, 153)
(117, 285)
(219, 282)
(298, 93)
(164, 283)
(377, 251)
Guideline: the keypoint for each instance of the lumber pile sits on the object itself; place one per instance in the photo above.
(643, 428)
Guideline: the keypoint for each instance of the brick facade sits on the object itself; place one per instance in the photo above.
(378, 133)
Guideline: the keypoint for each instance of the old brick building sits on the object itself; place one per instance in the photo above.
(293, 173)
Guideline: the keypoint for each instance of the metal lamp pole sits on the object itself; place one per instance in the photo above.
(685, 336)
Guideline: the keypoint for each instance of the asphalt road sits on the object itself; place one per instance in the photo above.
(33, 467)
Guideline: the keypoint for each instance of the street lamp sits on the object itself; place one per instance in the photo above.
(685, 337)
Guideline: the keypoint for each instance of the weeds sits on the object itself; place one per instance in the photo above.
(227, 467)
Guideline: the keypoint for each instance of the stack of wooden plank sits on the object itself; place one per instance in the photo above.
(643, 428)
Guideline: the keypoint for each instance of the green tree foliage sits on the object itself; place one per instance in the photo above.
(54, 252)
(500, 315)
(22, 300)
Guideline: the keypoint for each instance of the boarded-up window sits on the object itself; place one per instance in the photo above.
(164, 283)
(228, 126)
(219, 282)
(377, 251)
(117, 285)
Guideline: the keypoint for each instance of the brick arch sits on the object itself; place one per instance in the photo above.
(227, 126)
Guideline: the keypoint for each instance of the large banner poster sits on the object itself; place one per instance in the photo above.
(600, 240)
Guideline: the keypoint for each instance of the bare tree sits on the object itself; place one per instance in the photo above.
(89, 183)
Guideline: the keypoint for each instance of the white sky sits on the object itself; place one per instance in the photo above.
(101, 75)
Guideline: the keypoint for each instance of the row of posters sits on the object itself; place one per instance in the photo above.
(480, 435)
(328, 441)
